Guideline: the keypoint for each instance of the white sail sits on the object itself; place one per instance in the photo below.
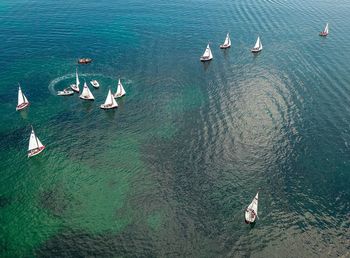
(77, 82)
(207, 53)
(110, 100)
(120, 90)
(86, 94)
(251, 212)
(257, 44)
(34, 142)
(227, 40)
(326, 29)
(21, 97)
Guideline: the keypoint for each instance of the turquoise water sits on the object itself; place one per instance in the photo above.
(169, 173)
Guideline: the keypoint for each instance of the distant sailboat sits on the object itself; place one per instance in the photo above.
(120, 90)
(86, 94)
(251, 212)
(75, 87)
(22, 100)
(95, 84)
(325, 32)
(35, 145)
(207, 55)
(258, 46)
(227, 42)
(110, 101)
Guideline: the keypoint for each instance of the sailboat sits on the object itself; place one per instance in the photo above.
(110, 101)
(120, 90)
(227, 42)
(251, 212)
(325, 32)
(207, 55)
(258, 46)
(22, 100)
(75, 87)
(95, 84)
(35, 145)
(86, 94)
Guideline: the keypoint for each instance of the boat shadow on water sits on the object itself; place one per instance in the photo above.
(206, 65)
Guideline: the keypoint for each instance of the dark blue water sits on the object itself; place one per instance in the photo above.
(169, 173)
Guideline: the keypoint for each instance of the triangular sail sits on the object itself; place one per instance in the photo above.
(120, 89)
(254, 204)
(77, 82)
(33, 143)
(326, 29)
(227, 40)
(257, 44)
(86, 92)
(207, 52)
(21, 98)
(109, 100)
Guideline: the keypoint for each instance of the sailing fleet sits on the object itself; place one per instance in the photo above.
(35, 146)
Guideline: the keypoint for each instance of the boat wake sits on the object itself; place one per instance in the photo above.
(57, 80)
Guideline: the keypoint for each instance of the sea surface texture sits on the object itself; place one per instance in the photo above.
(170, 172)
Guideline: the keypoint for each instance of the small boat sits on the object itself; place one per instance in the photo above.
(86, 94)
(258, 46)
(84, 61)
(251, 212)
(120, 90)
(207, 55)
(110, 101)
(75, 87)
(95, 84)
(35, 145)
(65, 92)
(325, 32)
(22, 101)
(227, 42)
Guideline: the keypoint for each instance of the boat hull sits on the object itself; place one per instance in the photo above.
(118, 96)
(74, 88)
(249, 216)
(103, 106)
(22, 106)
(84, 61)
(225, 46)
(35, 152)
(95, 84)
(205, 59)
(254, 50)
(323, 34)
(91, 99)
(65, 93)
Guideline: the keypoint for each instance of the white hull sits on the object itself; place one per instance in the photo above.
(35, 152)
(225, 46)
(74, 88)
(256, 50)
(95, 84)
(65, 93)
(86, 98)
(205, 59)
(103, 106)
(119, 95)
